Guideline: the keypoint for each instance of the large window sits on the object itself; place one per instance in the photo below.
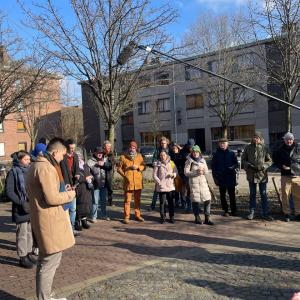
(2, 149)
(20, 126)
(144, 107)
(144, 80)
(162, 78)
(148, 138)
(163, 104)
(192, 73)
(242, 132)
(244, 61)
(194, 101)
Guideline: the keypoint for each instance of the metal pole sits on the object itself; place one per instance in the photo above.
(148, 49)
(174, 104)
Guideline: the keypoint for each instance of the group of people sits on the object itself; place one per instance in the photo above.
(55, 192)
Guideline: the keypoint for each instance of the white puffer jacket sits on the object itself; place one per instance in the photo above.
(198, 183)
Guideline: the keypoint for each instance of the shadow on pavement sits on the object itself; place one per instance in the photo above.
(203, 256)
(241, 292)
(6, 224)
(6, 296)
(6, 260)
(7, 245)
(171, 235)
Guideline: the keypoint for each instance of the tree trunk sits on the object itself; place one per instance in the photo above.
(224, 132)
(111, 135)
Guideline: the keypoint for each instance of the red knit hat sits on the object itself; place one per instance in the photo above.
(133, 144)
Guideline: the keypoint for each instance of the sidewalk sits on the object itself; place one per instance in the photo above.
(235, 258)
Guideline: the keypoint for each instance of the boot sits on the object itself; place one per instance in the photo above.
(78, 226)
(25, 262)
(198, 220)
(208, 221)
(85, 224)
(32, 258)
(162, 219)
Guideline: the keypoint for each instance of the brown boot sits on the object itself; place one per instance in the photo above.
(139, 219)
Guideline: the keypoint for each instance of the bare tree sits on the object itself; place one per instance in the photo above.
(34, 108)
(88, 48)
(220, 37)
(278, 21)
(21, 72)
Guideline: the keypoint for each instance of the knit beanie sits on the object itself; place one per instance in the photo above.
(196, 148)
(40, 147)
(259, 135)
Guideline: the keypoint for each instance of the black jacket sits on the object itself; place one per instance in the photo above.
(290, 157)
(69, 177)
(223, 166)
(20, 210)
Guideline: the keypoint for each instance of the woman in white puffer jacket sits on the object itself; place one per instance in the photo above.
(196, 169)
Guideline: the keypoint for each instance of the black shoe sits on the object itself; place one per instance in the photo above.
(268, 218)
(198, 220)
(297, 218)
(162, 220)
(233, 214)
(172, 221)
(85, 224)
(208, 221)
(287, 218)
(32, 258)
(226, 214)
(78, 226)
(25, 262)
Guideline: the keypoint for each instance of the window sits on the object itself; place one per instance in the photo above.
(144, 107)
(242, 132)
(192, 73)
(163, 104)
(244, 61)
(22, 146)
(148, 138)
(162, 78)
(20, 126)
(144, 80)
(1, 127)
(194, 101)
(2, 149)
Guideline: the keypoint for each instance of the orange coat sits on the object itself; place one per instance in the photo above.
(133, 179)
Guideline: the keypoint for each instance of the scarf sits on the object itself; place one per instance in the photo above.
(132, 154)
(198, 160)
(19, 172)
(56, 165)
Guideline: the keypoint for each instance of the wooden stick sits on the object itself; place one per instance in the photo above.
(277, 192)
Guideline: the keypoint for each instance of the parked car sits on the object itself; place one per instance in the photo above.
(147, 153)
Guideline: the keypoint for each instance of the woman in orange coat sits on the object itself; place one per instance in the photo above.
(130, 168)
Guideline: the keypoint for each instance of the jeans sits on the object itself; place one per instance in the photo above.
(263, 195)
(197, 209)
(154, 199)
(99, 200)
(72, 212)
(164, 198)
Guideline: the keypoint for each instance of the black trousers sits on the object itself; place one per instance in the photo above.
(231, 193)
(164, 198)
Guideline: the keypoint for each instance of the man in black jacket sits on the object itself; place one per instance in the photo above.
(71, 173)
(287, 159)
(224, 165)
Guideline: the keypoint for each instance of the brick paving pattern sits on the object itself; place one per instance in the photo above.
(235, 259)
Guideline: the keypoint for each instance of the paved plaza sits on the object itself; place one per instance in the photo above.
(235, 259)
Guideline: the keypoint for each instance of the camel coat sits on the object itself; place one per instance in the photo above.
(133, 179)
(50, 222)
(198, 183)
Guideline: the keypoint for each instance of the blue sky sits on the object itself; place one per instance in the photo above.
(189, 11)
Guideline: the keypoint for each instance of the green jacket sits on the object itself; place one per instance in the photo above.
(255, 161)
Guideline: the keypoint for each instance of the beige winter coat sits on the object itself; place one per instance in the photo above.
(198, 183)
(50, 222)
(164, 175)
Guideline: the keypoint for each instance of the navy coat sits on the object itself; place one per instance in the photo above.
(224, 167)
